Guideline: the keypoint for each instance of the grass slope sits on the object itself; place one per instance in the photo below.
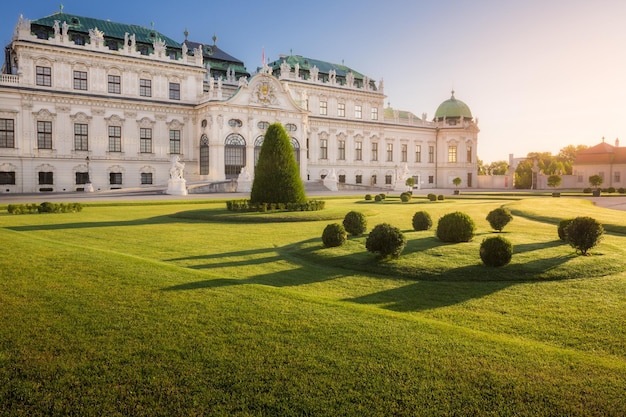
(158, 310)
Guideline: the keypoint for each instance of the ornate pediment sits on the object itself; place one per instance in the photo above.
(264, 92)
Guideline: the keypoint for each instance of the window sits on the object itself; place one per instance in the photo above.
(374, 113)
(617, 177)
(358, 111)
(451, 153)
(145, 140)
(115, 84)
(174, 91)
(235, 123)
(175, 141)
(263, 125)
(431, 154)
(115, 139)
(404, 152)
(373, 179)
(418, 153)
(115, 178)
(389, 152)
(374, 151)
(323, 148)
(431, 179)
(46, 178)
(81, 137)
(80, 80)
(469, 154)
(7, 177)
(342, 150)
(112, 45)
(341, 110)
(323, 108)
(44, 76)
(78, 40)
(358, 151)
(44, 135)
(234, 155)
(145, 88)
(290, 127)
(341, 178)
(388, 179)
(359, 179)
(204, 155)
(82, 178)
(146, 178)
(7, 133)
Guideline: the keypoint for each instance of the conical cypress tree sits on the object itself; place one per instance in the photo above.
(276, 176)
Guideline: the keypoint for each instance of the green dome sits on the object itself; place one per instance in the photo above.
(453, 108)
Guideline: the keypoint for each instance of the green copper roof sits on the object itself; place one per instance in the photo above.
(453, 108)
(391, 113)
(110, 29)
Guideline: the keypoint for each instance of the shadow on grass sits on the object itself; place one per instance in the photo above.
(85, 225)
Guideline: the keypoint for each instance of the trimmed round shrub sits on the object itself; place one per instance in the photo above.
(432, 197)
(378, 197)
(496, 251)
(621, 190)
(334, 235)
(561, 229)
(499, 217)
(611, 190)
(583, 233)
(368, 197)
(440, 197)
(382, 196)
(405, 197)
(455, 227)
(422, 221)
(355, 223)
(387, 240)
(587, 190)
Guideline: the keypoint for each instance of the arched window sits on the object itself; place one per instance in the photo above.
(257, 148)
(234, 155)
(296, 149)
(204, 155)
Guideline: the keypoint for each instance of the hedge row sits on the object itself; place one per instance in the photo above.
(246, 206)
(45, 207)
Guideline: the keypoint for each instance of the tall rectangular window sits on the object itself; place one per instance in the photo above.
(359, 179)
(389, 152)
(82, 178)
(374, 151)
(44, 135)
(452, 154)
(431, 154)
(46, 178)
(388, 179)
(7, 133)
(81, 137)
(341, 148)
(145, 140)
(115, 84)
(80, 80)
(358, 112)
(115, 139)
(469, 154)
(115, 178)
(44, 76)
(617, 176)
(418, 153)
(323, 148)
(341, 110)
(374, 113)
(323, 108)
(145, 88)
(175, 141)
(404, 153)
(358, 148)
(174, 91)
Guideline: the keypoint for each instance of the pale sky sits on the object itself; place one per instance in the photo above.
(539, 75)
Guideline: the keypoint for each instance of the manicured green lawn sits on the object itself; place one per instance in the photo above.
(187, 309)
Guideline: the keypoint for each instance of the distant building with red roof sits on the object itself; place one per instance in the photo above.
(603, 159)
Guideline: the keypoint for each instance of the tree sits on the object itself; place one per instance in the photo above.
(457, 181)
(595, 181)
(554, 180)
(276, 176)
(567, 155)
(410, 182)
(498, 168)
(482, 168)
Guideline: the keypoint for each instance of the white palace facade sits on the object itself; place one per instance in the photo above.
(89, 101)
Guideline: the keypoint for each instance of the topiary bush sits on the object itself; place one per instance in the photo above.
(496, 251)
(405, 197)
(422, 221)
(440, 197)
(583, 233)
(455, 227)
(621, 190)
(334, 235)
(587, 190)
(499, 217)
(561, 229)
(387, 240)
(382, 196)
(611, 190)
(432, 197)
(378, 197)
(355, 223)
(368, 197)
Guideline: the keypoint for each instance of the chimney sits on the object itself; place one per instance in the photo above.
(616, 142)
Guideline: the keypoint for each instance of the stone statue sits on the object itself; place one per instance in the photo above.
(56, 28)
(185, 49)
(64, 28)
(177, 168)
(285, 69)
(132, 42)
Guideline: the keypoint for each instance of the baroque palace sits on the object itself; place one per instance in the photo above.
(88, 102)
